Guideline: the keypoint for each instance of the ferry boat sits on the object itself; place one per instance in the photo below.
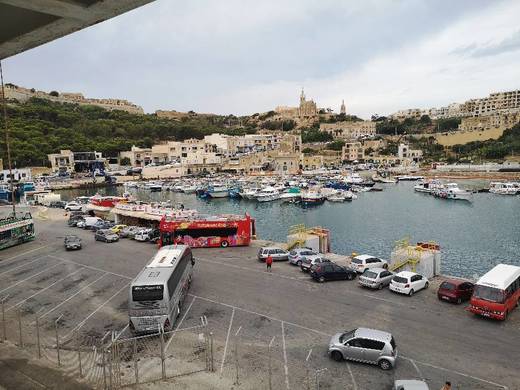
(508, 188)
(427, 186)
(16, 230)
(452, 191)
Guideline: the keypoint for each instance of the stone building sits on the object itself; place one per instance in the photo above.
(343, 109)
(353, 151)
(307, 108)
(404, 151)
(348, 130)
(68, 161)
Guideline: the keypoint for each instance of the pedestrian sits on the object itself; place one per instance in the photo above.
(447, 386)
(269, 263)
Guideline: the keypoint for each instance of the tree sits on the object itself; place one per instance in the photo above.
(336, 145)
(125, 161)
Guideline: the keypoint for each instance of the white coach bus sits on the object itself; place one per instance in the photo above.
(157, 292)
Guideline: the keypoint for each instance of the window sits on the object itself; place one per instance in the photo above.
(400, 279)
(357, 343)
(449, 286)
(373, 344)
(328, 268)
(370, 274)
(147, 293)
(217, 232)
(176, 276)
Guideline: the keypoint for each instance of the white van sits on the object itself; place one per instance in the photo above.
(91, 221)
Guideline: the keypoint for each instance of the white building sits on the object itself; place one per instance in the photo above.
(23, 174)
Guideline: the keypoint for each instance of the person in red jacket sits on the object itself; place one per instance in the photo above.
(269, 262)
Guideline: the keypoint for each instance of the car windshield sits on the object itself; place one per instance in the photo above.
(448, 286)
(347, 336)
(400, 279)
(370, 274)
(488, 294)
(293, 253)
(357, 261)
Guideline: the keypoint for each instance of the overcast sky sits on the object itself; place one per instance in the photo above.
(247, 56)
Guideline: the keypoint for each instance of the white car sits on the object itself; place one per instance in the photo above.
(410, 384)
(363, 262)
(142, 235)
(408, 283)
(73, 206)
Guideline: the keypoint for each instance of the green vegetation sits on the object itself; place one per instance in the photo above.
(335, 145)
(284, 125)
(40, 127)
(507, 144)
(313, 134)
(339, 118)
(424, 124)
(125, 161)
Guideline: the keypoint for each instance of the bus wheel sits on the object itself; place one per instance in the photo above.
(224, 244)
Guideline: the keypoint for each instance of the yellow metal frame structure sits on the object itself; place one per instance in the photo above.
(299, 231)
(413, 253)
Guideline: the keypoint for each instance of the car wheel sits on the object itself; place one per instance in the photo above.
(67, 209)
(350, 276)
(299, 263)
(459, 301)
(385, 364)
(337, 356)
(385, 266)
(224, 244)
(411, 292)
(380, 287)
(426, 285)
(321, 279)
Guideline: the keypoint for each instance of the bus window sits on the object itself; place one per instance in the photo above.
(488, 294)
(147, 293)
(216, 232)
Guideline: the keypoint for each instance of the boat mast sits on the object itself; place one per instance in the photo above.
(4, 104)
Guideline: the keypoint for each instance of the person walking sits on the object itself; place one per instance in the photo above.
(269, 263)
(447, 386)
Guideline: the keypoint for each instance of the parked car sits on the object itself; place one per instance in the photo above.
(117, 228)
(72, 242)
(363, 262)
(73, 206)
(376, 278)
(102, 225)
(410, 384)
(58, 204)
(408, 283)
(276, 253)
(81, 224)
(296, 255)
(74, 219)
(142, 235)
(331, 271)
(453, 290)
(90, 222)
(154, 236)
(129, 232)
(310, 261)
(364, 345)
(106, 235)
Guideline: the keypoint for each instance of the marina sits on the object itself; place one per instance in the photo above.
(474, 235)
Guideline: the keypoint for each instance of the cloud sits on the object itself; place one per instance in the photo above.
(246, 56)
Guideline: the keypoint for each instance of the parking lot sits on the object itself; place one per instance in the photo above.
(248, 308)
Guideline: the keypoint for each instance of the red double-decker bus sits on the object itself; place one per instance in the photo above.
(208, 231)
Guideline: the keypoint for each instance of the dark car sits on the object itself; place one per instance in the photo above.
(59, 204)
(453, 290)
(331, 271)
(101, 225)
(74, 219)
(106, 236)
(154, 235)
(72, 242)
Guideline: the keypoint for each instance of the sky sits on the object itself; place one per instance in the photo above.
(246, 56)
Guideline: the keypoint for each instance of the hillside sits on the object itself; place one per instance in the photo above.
(40, 127)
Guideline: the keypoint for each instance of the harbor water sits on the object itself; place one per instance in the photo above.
(473, 236)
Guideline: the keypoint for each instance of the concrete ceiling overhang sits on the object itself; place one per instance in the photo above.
(25, 24)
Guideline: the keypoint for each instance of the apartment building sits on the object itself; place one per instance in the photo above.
(349, 130)
(353, 151)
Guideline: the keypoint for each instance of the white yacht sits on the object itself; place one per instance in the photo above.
(354, 178)
(189, 189)
(452, 191)
(268, 194)
(427, 186)
(218, 191)
(508, 188)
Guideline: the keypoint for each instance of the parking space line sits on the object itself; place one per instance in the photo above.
(457, 372)
(72, 296)
(180, 323)
(227, 341)
(417, 369)
(22, 265)
(30, 277)
(26, 252)
(42, 290)
(286, 369)
(91, 267)
(262, 315)
(352, 377)
(96, 310)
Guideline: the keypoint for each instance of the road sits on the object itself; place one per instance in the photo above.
(246, 307)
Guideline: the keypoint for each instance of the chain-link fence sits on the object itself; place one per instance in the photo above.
(106, 361)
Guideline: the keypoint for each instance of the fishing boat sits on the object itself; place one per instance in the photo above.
(337, 197)
(452, 191)
(189, 189)
(268, 194)
(312, 198)
(409, 178)
(354, 178)
(249, 193)
(508, 188)
(218, 191)
(427, 186)
(154, 187)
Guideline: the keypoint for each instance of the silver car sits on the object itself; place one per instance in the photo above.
(274, 252)
(297, 254)
(364, 345)
(376, 278)
(410, 384)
